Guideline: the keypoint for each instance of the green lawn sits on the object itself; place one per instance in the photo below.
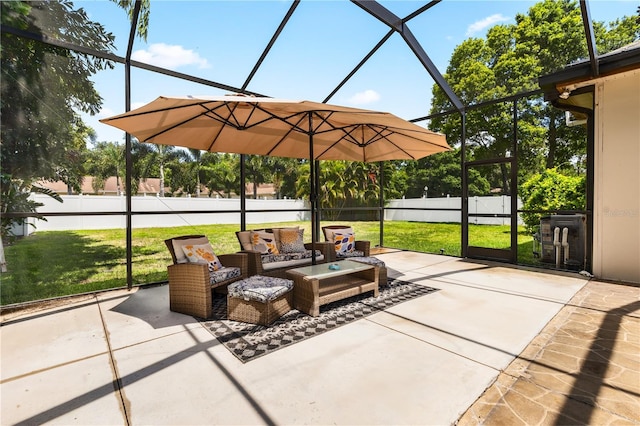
(60, 263)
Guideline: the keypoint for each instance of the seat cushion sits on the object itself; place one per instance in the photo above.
(368, 260)
(288, 264)
(224, 274)
(260, 288)
(349, 255)
(284, 257)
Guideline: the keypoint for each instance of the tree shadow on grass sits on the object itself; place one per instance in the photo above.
(60, 263)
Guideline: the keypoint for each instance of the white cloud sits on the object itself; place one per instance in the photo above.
(108, 112)
(486, 23)
(366, 97)
(169, 56)
(105, 112)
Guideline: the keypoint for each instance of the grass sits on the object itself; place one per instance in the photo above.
(60, 263)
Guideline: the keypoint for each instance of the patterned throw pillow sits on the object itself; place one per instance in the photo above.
(291, 240)
(178, 243)
(202, 253)
(264, 242)
(344, 243)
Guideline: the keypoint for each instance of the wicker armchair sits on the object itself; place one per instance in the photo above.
(191, 284)
(361, 245)
(362, 251)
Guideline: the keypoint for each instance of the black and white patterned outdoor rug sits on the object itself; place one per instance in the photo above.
(250, 341)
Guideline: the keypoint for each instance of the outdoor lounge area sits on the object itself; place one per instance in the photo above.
(493, 344)
(353, 213)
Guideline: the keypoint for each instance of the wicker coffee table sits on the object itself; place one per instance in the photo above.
(317, 285)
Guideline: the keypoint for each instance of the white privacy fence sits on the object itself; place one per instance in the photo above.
(477, 205)
(223, 211)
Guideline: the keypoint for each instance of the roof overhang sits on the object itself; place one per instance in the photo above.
(570, 88)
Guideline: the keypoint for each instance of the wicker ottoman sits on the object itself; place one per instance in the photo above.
(259, 299)
(382, 268)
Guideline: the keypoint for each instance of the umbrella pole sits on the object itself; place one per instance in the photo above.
(312, 193)
(317, 183)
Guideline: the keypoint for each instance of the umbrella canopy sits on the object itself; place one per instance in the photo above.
(277, 127)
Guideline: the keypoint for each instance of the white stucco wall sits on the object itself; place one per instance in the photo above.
(616, 239)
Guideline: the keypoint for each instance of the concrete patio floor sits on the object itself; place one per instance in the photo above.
(495, 345)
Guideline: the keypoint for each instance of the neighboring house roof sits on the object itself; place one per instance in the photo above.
(150, 185)
(263, 190)
(147, 186)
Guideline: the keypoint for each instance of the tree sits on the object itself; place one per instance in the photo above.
(509, 61)
(107, 159)
(345, 184)
(195, 163)
(151, 160)
(43, 86)
(336, 186)
(183, 172)
(258, 169)
(284, 173)
(441, 174)
(220, 173)
(143, 19)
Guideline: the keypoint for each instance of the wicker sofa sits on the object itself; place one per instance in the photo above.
(274, 254)
(191, 284)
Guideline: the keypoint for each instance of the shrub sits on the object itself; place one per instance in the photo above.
(551, 191)
(15, 198)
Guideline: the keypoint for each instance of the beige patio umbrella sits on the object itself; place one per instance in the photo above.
(278, 127)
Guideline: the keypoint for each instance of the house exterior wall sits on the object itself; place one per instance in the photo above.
(616, 216)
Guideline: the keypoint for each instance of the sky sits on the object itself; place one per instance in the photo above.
(323, 41)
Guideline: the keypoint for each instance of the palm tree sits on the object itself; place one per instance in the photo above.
(106, 160)
(220, 173)
(282, 170)
(258, 170)
(153, 158)
(196, 161)
(336, 187)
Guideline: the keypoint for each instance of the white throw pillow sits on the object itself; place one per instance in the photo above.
(177, 247)
(202, 253)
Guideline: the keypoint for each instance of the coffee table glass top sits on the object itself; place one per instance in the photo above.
(322, 270)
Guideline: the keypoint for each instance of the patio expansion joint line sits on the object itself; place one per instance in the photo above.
(461, 283)
(432, 344)
(50, 368)
(117, 382)
(144, 342)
